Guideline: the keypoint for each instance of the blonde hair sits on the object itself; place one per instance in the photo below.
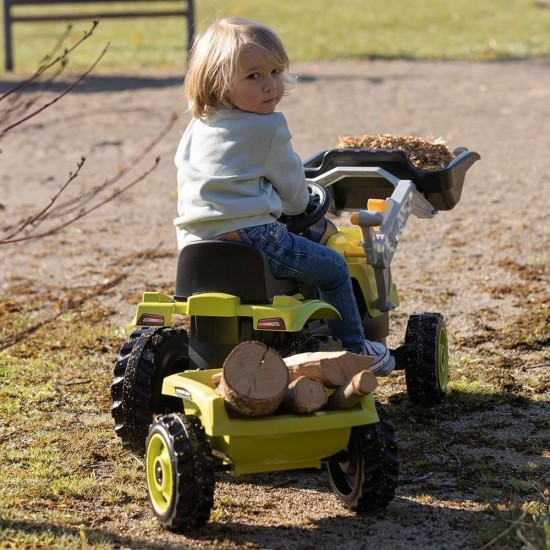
(214, 63)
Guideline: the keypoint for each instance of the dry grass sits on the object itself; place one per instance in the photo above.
(69, 484)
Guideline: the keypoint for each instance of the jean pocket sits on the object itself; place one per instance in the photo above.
(275, 232)
(284, 261)
(254, 235)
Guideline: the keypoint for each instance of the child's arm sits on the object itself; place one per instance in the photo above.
(285, 171)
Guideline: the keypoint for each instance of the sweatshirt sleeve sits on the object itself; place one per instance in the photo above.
(285, 171)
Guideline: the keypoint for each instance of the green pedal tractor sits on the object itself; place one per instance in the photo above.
(164, 400)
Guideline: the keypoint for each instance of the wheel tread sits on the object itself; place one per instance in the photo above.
(194, 463)
(137, 379)
(373, 455)
(420, 372)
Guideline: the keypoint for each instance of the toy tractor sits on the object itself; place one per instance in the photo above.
(164, 400)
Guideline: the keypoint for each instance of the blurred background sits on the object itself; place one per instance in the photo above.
(312, 30)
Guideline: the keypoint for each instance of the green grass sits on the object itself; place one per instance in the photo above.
(64, 473)
(59, 459)
(312, 30)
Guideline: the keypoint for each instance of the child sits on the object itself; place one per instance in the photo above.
(237, 171)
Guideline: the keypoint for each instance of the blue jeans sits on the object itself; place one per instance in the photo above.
(294, 257)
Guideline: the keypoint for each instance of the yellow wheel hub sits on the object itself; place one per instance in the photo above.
(442, 360)
(159, 474)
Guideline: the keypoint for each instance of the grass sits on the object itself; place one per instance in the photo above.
(64, 474)
(311, 30)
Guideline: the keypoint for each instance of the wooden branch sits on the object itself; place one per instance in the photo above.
(48, 63)
(304, 396)
(254, 381)
(332, 368)
(348, 395)
(42, 214)
(48, 213)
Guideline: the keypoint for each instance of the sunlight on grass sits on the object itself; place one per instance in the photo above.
(311, 30)
(59, 450)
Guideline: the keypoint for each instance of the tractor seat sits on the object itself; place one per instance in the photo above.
(230, 267)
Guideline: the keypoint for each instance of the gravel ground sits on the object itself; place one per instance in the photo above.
(484, 265)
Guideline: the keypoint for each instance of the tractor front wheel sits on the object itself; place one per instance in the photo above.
(427, 365)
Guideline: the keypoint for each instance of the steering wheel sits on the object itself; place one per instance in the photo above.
(317, 207)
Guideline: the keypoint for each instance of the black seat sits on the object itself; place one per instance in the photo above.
(231, 267)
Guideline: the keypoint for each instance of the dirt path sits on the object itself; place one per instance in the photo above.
(484, 265)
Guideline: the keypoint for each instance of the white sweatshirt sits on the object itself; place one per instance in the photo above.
(236, 170)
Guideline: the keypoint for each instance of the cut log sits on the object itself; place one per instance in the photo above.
(332, 368)
(254, 380)
(349, 394)
(217, 378)
(304, 396)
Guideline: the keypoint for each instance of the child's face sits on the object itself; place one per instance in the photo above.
(260, 85)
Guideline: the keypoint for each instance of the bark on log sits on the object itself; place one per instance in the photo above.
(304, 396)
(347, 395)
(332, 368)
(254, 380)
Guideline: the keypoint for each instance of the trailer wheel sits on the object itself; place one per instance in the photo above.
(427, 366)
(180, 471)
(136, 391)
(367, 479)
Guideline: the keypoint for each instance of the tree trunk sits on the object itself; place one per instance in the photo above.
(254, 380)
(305, 395)
(347, 395)
(332, 368)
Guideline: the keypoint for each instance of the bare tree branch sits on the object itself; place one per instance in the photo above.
(70, 87)
(32, 220)
(76, 305)
(78, 206)
(47, 62)
(70, 206)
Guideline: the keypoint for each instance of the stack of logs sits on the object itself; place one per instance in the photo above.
(257, 381)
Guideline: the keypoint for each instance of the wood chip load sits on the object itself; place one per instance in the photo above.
(424, 154)
(257, 381)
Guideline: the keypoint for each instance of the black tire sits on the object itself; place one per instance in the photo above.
(180, 471)
(427, 363)
(136, 391)
(366, 481)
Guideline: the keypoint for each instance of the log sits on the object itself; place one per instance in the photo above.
(254, 380)
(347, 395)
(304, 396)
(332, 368)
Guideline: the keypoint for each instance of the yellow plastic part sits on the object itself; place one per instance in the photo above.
(271, 443)
(160, 486)
(293, 311)
(377, 205)
(348, 243)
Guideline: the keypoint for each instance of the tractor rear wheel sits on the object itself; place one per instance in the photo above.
(366, 480)
(149, 356)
